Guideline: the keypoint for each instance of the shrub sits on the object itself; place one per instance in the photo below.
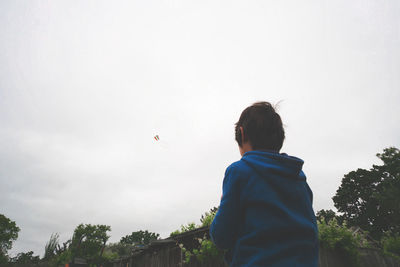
(340, 238)
(206, 251)
(62, 258)
(119, 249)
(391, 245)
(206, 220)
(208, 217)
(110, 255)
(185, 228)
(3, 259)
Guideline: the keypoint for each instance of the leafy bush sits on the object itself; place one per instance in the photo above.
(208, 217)
(391, 245)
(26, 258)
(174, 233)
(340, 238)
(206, 251)
(185, 228)
(109, 255)
(327, 215)
(62, 258)
(188, 227)
(121, 249)
(3, 259)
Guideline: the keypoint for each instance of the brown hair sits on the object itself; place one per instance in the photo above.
(262, 127)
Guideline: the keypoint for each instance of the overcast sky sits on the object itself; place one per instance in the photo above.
(85, 85)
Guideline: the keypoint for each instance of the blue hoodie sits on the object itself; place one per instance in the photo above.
(265, 217)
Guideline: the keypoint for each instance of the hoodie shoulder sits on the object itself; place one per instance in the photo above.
(239, 168)
(266, 163)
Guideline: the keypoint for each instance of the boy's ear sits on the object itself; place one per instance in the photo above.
(242, 134)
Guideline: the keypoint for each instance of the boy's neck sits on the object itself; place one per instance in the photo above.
(245, 147)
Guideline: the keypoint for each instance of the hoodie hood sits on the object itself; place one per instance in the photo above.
(265, 217)
(264, 162)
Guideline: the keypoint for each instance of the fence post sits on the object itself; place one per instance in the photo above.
(181, 263)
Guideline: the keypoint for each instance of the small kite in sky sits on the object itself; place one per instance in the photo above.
(161, 143)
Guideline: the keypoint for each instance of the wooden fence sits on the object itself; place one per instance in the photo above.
(167, 253)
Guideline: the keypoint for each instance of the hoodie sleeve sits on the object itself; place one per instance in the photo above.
(224, 228)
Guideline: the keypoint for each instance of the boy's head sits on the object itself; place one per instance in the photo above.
(260, 127)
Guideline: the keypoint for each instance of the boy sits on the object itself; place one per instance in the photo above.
(265, 217)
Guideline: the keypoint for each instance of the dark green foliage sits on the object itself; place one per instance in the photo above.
(185, 228)
(3, 259)
(89, 241)
(65, 247)
(208, 217)
(391, 245)
(26, 258)
(341, 239)
(370, 199)
(51, 247)
(119, 249)
(205, 252)
(206, 220)
(62, 255)
(8, 233)
(139, 238)
(327, 215)
(62, 258)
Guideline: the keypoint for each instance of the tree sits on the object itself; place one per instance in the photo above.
(57, 255)
(325, 216)
(88, 241)
(370, 199)
(119, 249)
(26, 258)
(8, 233)
(51, 247)
(139, 238)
